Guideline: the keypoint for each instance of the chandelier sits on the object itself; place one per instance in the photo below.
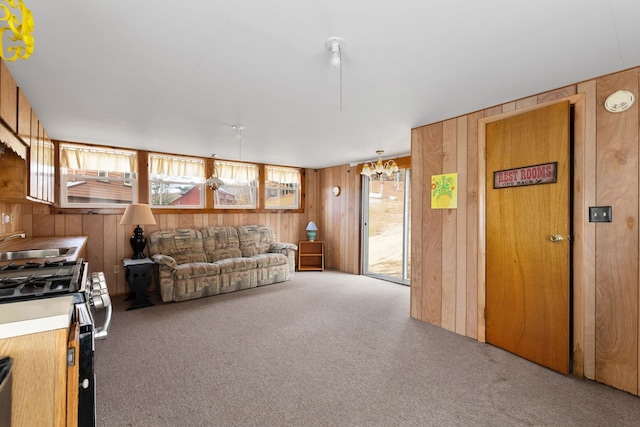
(214, 182)
(17, 29)
(377, 169)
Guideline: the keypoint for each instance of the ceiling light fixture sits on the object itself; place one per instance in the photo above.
(377, 169)
(214, 182)
(238, 130)
(335, 46)
(18, 28)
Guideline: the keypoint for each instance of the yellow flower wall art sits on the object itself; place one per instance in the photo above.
(444, 191)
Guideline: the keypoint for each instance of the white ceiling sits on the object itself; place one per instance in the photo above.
(175, 76)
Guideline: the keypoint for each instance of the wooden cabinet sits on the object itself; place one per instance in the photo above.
(8, 98)
(37, 334)
(27, 167)
(39, 377)
(311, 255)
(41, 163)
(24, 118)
(13, 173)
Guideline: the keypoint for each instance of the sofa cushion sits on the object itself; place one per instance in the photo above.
(196, 269)
(230, 265)
(255, 239)
(220, 243)
(182, 244)
(266, 260)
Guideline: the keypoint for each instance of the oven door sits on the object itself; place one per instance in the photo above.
(81, 389)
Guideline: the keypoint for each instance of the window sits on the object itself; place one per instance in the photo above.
(282, 188)
(95, 177)
(239, 189)
(104, 176)
(176, 182)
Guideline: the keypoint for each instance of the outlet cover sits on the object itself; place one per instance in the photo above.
(600, 214)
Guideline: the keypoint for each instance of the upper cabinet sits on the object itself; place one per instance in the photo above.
(8, 98)
(24, 118)
(41, 163)
(13, 171)
(30, 172)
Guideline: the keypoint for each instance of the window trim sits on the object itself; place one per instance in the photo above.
(102, 175)
(194, 183)
(297, 190)
(253, 186)
(143, 195)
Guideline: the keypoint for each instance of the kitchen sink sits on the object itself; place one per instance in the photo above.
(36, 253)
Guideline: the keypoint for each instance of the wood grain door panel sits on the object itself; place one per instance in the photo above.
(527, 274)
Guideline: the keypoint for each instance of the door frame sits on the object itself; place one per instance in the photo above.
(406, 231)
(583, 330)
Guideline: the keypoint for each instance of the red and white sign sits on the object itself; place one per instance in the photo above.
(530, 175)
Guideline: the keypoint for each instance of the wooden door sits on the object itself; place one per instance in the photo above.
(527, 271)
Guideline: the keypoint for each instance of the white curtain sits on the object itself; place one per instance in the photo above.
(176, 166)
(85, 158)
(237, 172)
(282, 175)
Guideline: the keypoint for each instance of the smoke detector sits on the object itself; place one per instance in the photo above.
(619, 101)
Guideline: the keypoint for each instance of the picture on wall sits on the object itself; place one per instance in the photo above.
(444, 193)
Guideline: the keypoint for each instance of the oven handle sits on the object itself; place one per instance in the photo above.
(102, 332)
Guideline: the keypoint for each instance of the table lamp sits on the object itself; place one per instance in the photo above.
(138, 214)
(311, 231)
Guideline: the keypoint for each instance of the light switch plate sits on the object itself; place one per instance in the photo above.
(600, 214)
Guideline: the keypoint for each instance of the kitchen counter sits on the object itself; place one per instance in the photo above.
(30, 317)
(18, 244)
(45, 314)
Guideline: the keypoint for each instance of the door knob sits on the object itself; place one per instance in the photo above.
(556, 238)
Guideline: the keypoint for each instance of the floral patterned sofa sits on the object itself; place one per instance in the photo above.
(194, 263)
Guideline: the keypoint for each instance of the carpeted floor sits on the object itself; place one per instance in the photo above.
(326, 349)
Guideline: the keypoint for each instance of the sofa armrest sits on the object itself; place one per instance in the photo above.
(283, 248)
(165, 260)
(288, 249)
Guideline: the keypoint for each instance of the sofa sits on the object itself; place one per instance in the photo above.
(194, 263)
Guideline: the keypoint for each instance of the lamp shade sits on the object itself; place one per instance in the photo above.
(312, 229)
(138, 214)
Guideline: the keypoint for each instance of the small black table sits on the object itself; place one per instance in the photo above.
(139, 276)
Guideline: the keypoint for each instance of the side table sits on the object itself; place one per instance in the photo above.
(139, 276)
(311, 255)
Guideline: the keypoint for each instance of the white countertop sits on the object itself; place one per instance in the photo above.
(30, 317)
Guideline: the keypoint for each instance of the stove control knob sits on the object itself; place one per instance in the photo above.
(97, 301)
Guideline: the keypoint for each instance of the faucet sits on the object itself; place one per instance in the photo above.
(11, 236)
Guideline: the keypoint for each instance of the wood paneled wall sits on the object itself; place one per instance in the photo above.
(447, 286)
(108, 241)
(15, 213)
(339, 217)
(616, 281)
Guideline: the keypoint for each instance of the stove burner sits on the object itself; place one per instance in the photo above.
(31, 264)
(34, 280)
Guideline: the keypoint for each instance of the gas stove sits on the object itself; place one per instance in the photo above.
(20, 282)
(32, 281)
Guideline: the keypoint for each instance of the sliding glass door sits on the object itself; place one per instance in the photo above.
(386, 227)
